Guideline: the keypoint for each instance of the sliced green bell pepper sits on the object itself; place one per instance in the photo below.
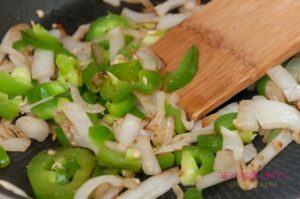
(213, 143)
(13, 85)
(100, 171)
(193, 193)
(225, 120)
(104, 24)
(62, 138)
(121, 108)
(115, 159)
(57, 174)
(149, 81)
(93, 77)
(174, 112)
(99, 134)
(166, 160)
(261, 85)
(4, 158)
(68, 70)
(112, 89)
(44, 90)
(45, 110)
(185, 73)
(126, 71)
(9, 109)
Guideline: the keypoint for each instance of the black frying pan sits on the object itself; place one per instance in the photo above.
(280, 179)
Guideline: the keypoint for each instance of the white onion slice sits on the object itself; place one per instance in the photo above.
(178, 192)
(89, 186)
(80, 120)
(81, 49)
(137, 17)
(169, 131)
(128, 129)
(81, 31)
(153, 187)
(214, 178)
(165, 7)
(15, 144)
(149, 162)
(269, 114)
(285, 82)
(116, 42)
(170, 20)
(90, 108)
(232, 141)
(191, 137)
(17, 58)
(12, 35)
(187, 124)
(148, 106)
(249, 152)
(271, 150)
(149, 60)
(7, 67)
(224, 161)
(294, 68)
(58, 33)
(33, 127)
(115, 3)
(13, 188)
(170, 148)
(43, 66)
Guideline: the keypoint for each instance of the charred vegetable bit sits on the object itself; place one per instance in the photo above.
(185, 73)
(59, 173)
(4, 158)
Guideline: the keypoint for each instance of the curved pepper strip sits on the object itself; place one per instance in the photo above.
(44, 90)
(121, 108)
(225, 120)
(114, 90)
(126, 71)
(57, 174)
(190, 158)
(213, 143)
(4, 158)
(93, 77)
(45, 110)
(99, 134)
(261, 85)
(9, 109)
(174, 112)
(14, 85)
(115, 159)
(103, 24)
(185, 73)
(149, 81)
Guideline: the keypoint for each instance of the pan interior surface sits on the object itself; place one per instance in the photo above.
(279, 179)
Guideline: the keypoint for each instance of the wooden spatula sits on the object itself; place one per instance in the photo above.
(238, 41)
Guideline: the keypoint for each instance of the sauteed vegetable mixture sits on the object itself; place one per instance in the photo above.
(100, 94)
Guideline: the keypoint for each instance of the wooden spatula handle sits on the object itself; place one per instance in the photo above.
(238, 41)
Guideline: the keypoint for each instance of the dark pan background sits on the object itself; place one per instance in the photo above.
(280, 179)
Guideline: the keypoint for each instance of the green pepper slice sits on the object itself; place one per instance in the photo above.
(193, 193)
(185, 73)
(4, 158)
(166, 160)
(225, 120)
(13, 85)
(261, 85)
(213, 143)
(9, 109)
(126, 71)
(149, 81)
(57, 174)
(99, 134)
(93, 76)
(44, 90)
(62, 138)
(115, 159)
(104, 24)
(174, 112)
(45, 110)
(121, 108)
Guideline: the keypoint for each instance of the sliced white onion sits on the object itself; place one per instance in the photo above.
(232, 141)
(149, 162)
(147, 103)
(258, 97)
(191, 137)
(137, 17)
(81, 49)
(293, 67)
(7, 66)
(149, 60)
(115, 3)
(153, 187)
(269, 114)
(157, 125)
(89, 186)
(15, 144)
(230, 108)
(178, 192)
(134, 33)
(90, 108)
(285, 82)
(169, 131)
(43, 66)
(170, 148)
(12, 35)
(17, 58)
(246, 177)
(116, 42)
(214, 178)
(13, 188)
(33, 127)
(170, 20)
(249, 152)
(187, 124)
(165, 7)
(128, 129)
(271, 150)
(81, 121)
(81, 31)
(224, 161)
(58, 33)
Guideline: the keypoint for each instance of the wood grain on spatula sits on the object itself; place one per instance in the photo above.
(238, 41)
